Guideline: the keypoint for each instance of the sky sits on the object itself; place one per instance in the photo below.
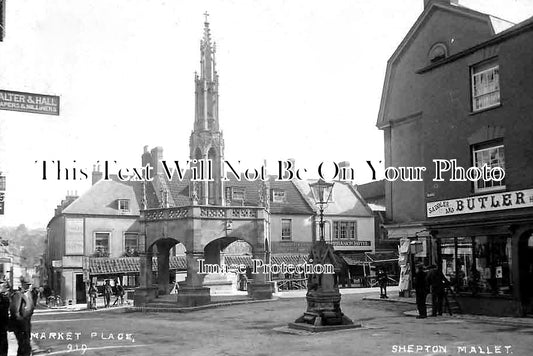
(299, 79)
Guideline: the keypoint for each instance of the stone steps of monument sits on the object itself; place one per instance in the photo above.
(167, 308)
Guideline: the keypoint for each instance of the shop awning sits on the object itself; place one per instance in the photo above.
(124, 265)
(382, 257)
(402, 231)
(238, 260)
(354, 259)
(275, 259)
(366, 258)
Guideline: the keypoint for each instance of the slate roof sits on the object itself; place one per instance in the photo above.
(121, 265)
(102, 198)
(295, 203)
(372, 190)
(346, 200)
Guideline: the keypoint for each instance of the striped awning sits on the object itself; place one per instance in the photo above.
(238, 260)
(289, 259)
(124, 265)
(275, 259)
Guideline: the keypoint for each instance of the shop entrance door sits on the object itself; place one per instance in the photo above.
(526, 271)
(81, 296)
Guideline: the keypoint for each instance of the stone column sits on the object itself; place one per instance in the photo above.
(163, 267)
(145, 293)
(191, 292)
(260, 288)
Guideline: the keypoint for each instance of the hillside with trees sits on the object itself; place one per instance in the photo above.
(29, 243)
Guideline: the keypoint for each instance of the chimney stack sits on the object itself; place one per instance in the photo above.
(427, 3)
(344, 171)
(97, 175)
(157, 157)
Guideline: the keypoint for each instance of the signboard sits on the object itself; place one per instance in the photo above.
(2, 202)
(74, 240)
(28, 102)
(2, 19)
(481, 203)
(85, 267)
(351, 243)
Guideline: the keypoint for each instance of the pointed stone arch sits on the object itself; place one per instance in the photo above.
(198, 228)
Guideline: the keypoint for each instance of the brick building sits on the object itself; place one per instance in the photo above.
(458, 88)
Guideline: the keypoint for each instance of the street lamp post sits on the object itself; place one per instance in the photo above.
(322, 193)
(323, 296)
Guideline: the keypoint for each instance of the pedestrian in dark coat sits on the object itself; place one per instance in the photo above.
(438, 284)
(382, 280)
(421, 289)
(108, 291)
(20, 313)
(4, 316)
(119, 293)
(93, 294)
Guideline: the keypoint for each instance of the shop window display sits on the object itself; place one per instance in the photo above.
(479, 265)
(457, 258)
(493, 265)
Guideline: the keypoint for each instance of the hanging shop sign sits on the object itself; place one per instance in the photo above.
(481, 203)
(29, 102)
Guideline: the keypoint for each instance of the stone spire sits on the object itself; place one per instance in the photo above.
(206, 141)
(207, 84)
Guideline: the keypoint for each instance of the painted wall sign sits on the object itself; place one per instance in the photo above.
(74, 237)
(29, 102)
(481, 203)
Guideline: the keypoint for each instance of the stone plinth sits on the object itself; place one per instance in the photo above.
(193, 296)
(260, 290)
(323, 309)
(144, 295)
(219, 284)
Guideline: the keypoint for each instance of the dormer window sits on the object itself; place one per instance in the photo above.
(278, 196)
(437, 52)
(124, 205)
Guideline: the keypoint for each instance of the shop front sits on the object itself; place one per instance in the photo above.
(486, 255)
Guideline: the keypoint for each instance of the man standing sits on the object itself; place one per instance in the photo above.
(108, 291)
(4, 315)
(420, 285)
(119, 293)
(438, 283)
(382, 280)
(93, 293)
(21, 310)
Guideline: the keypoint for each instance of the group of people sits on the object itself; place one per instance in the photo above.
(16, 310)
(431, 281)
(108, 292)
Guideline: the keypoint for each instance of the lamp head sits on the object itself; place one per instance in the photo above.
(321, 191)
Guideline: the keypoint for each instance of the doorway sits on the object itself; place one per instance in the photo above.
(81, 295)
(526, 271)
